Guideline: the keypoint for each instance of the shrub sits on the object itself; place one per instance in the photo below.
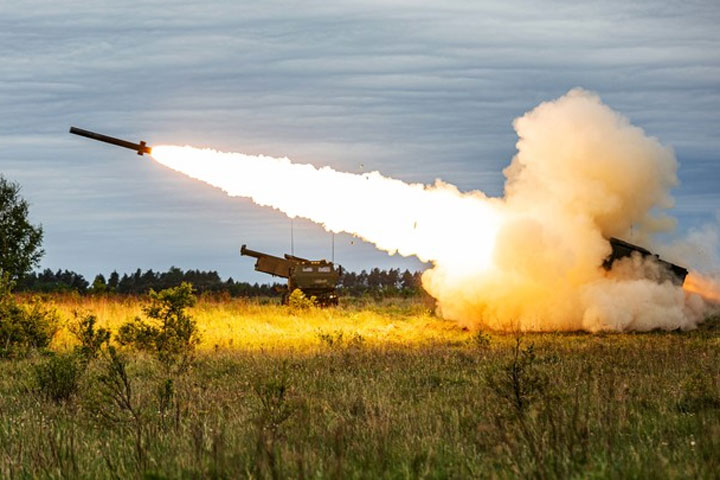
(58, 377)
(91, 339)
(299, 301)
(272, 394)
(115, 388)
(169, 333)
(23, 327)
(119, 404)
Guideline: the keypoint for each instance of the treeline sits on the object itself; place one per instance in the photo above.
(390, 282)
(139, 282)
(375, 282)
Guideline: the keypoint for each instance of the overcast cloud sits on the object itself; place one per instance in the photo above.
(415, 91)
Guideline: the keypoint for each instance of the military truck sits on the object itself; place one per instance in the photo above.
(316, 278)
(622, 249)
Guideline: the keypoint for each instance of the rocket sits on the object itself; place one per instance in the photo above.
(140, 148)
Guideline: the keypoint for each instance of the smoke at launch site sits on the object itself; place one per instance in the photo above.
(530, 260)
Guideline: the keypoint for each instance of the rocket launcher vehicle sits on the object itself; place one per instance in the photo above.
(315, 278)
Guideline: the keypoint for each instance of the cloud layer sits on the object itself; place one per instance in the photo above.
(417, 92)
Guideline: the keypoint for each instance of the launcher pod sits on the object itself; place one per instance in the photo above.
(622, 249)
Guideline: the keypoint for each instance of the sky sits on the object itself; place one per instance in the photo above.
(415, 90)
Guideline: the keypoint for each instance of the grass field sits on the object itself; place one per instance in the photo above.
(371, 391)
(263, 324)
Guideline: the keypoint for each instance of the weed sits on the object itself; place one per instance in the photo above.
(272, 392)
(165, 393)
(58, 377)
(699, 393)
(480, 340)
(338, 340)
(518, 381)
(120, 406)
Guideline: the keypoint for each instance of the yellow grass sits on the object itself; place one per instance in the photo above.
(251, 324)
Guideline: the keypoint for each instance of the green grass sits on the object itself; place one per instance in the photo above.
(358, 399)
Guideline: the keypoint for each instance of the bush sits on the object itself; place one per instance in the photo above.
(58, 377)
(91, 339)
(169, 333)
(23, 327)
(298, 301)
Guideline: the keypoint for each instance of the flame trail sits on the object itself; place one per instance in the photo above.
(704, 286)
(530, 260)
(410, 219)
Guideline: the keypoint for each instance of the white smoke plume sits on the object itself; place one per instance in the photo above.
(699, 248)
(528, 261)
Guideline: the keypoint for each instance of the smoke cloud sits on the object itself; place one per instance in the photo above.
(529, 261)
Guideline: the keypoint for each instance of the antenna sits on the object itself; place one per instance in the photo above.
(292, 236)
(333, 247)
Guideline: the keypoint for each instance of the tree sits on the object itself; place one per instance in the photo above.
(113, 281)
(99, 285)
(407, 281)
(19, 240)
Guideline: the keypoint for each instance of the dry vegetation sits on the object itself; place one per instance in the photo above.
(363, 391)
(255, 324)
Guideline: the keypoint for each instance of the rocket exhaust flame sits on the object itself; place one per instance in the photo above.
(704, 286)
(410, 219)
(528, 261)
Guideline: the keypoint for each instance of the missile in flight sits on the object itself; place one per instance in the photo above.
(140, 148)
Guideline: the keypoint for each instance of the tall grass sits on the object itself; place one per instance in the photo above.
(254, 324)
(378, 392)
